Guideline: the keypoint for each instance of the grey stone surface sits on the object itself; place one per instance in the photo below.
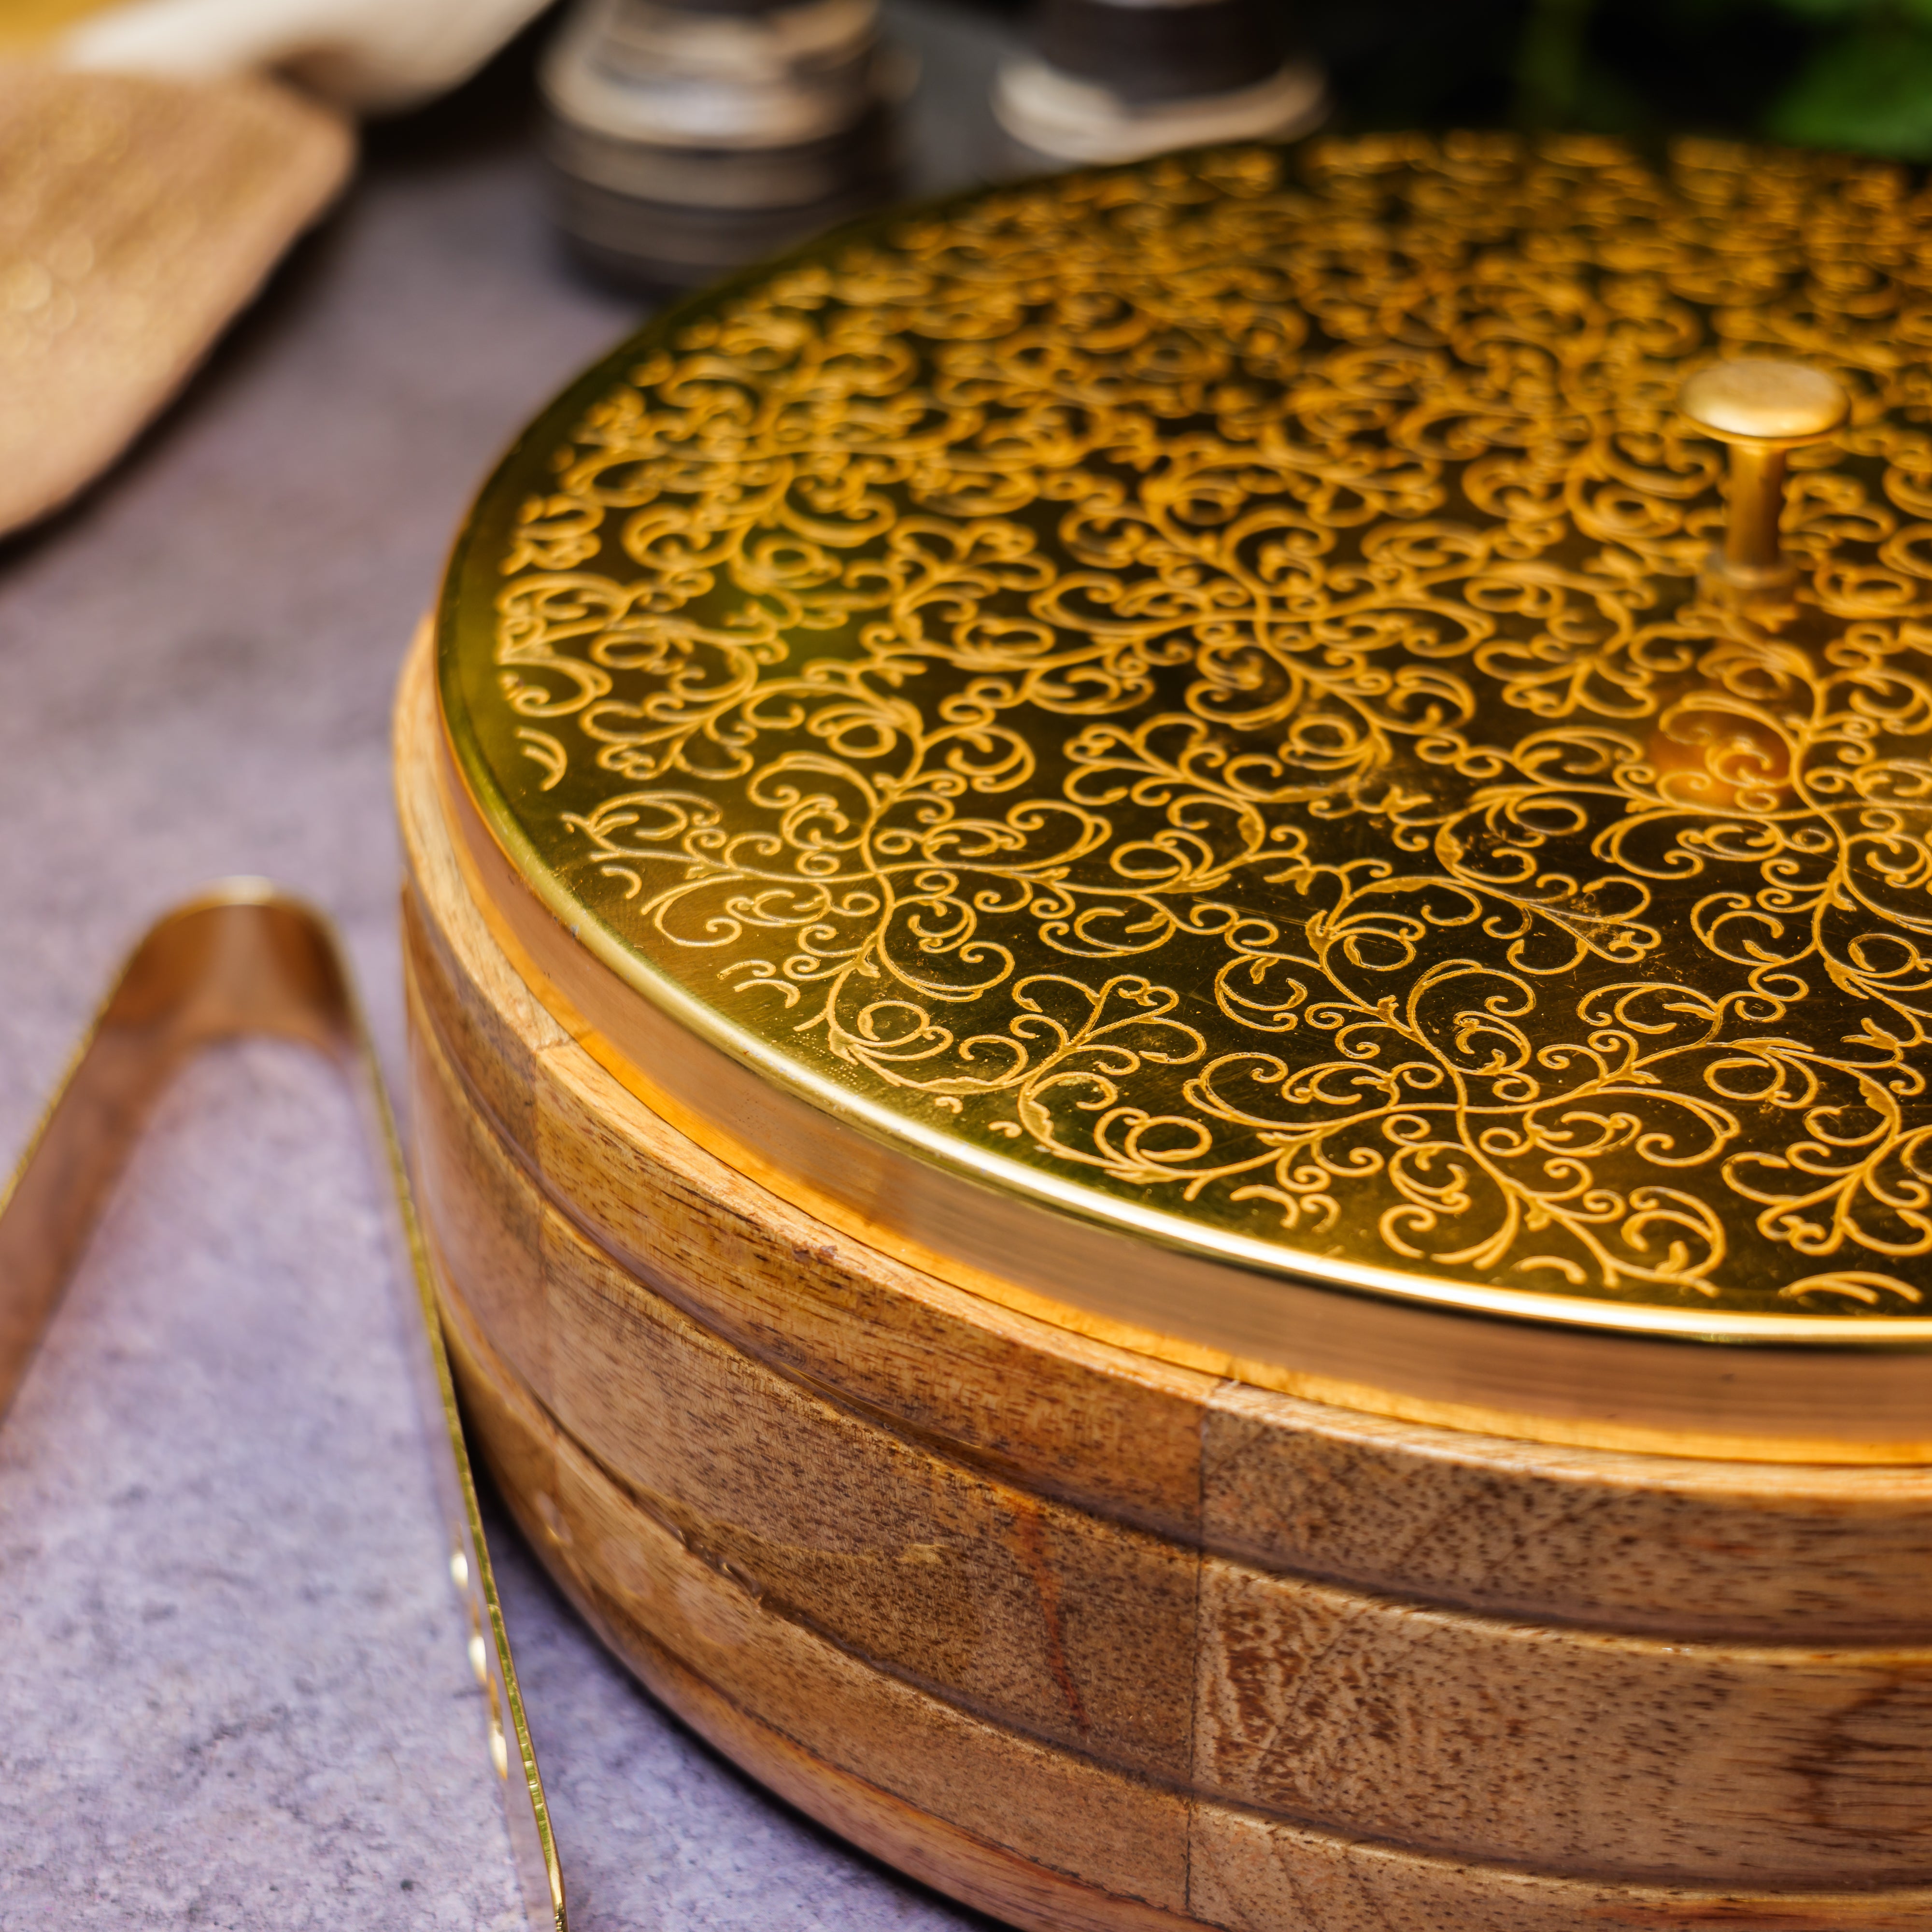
(232, 1686)
(231, 1661)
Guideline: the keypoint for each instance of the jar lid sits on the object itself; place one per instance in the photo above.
(1172, 744)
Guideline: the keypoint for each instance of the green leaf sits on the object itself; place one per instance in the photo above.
(1835, 10)
(1870, 90)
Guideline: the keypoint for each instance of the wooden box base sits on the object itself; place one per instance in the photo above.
(1084, 1639)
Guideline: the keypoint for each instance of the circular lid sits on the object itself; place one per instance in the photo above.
(1152, 741)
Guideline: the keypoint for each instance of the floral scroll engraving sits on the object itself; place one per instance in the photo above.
(1193, 676)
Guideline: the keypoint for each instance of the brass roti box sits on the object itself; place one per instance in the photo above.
(1169, 968)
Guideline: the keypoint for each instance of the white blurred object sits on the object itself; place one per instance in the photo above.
(369, 55)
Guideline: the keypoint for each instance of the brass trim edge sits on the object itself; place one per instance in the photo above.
(244, 958)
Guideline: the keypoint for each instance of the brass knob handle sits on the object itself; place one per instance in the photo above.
(1764, 409)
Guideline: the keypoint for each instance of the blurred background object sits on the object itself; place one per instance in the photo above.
(684, 138)
(30, 22)
(139, 216)
(687, 138)
(1853, 74)
(1114, 80)
(368, 55)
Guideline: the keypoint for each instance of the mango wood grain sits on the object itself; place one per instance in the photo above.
(1031, 1561)
(1021, 1831)
(649, 1585)
(1664, 1544)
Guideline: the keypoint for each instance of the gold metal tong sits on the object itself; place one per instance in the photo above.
(245, 958)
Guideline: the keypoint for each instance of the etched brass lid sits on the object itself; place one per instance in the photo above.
(1155, 741)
